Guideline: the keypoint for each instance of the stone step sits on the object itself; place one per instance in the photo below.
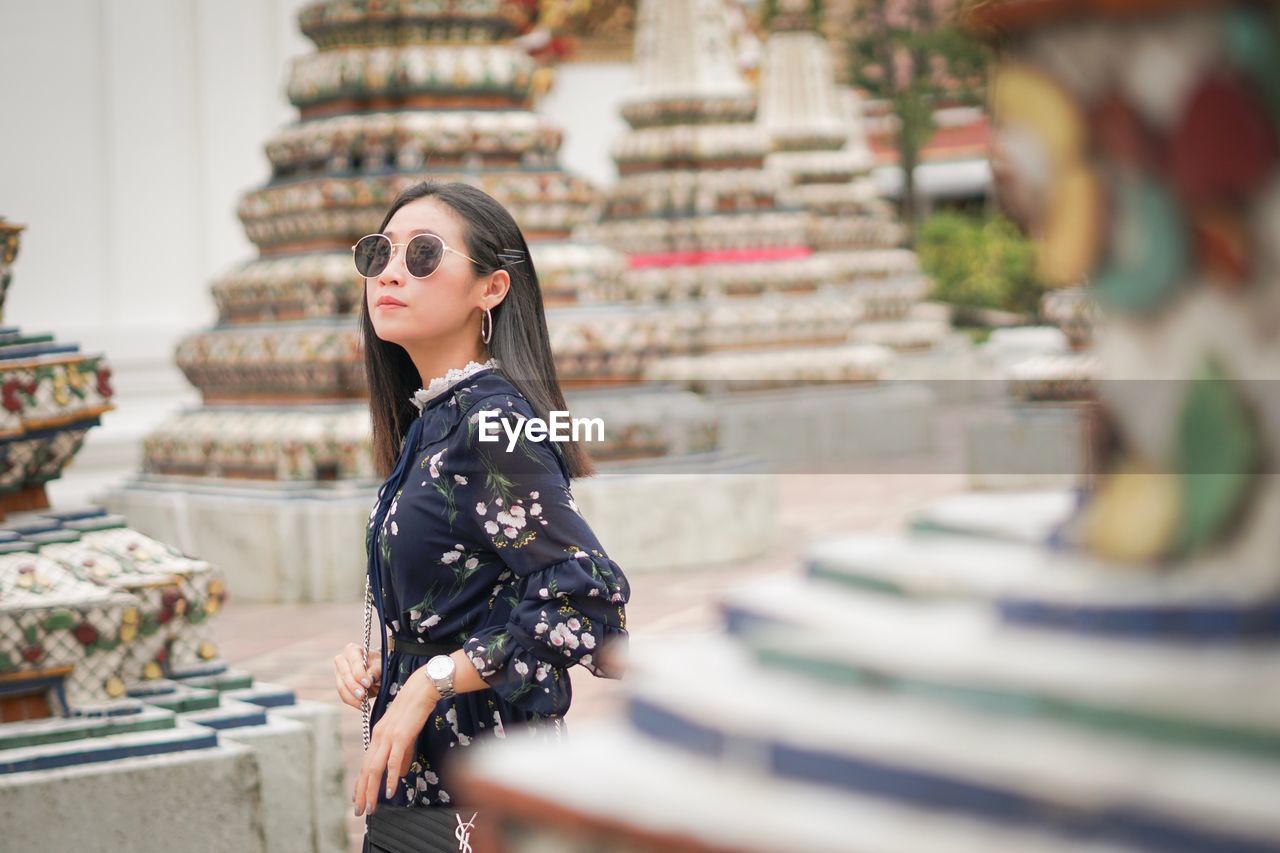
(229, 714)
(65, 729)
(181, 737)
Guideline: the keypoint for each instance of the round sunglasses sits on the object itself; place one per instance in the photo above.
(422, 254)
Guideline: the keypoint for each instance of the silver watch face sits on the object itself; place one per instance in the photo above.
(440, 666)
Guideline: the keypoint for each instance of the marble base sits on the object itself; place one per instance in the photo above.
(1029, 446)
(283, 749)
(280, 543)
(682, 512)
(329, 791)
(200, 801)
(199, 768)
(815, 428)
(273, 542)
(951, 370)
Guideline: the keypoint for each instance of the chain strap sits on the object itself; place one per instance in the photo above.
(368, 637)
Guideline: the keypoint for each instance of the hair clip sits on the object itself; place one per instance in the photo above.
(511, 256)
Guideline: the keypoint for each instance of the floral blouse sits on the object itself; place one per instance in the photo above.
(483, 547)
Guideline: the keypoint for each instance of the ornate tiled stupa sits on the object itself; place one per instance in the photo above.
(397, 92)
(51, 395)
(1046, 671)
(711, 233)
(820, 146)
(87, 606)
(110, 679)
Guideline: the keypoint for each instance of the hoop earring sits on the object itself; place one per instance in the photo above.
(485, 337)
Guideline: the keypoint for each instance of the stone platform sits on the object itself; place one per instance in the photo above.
(1029, 446)
(282, 543)
(210, 763)
(815, 428)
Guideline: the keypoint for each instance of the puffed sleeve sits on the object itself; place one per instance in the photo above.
(570, 597)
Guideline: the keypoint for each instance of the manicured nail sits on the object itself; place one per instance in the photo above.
(360, 691)
(366, 681)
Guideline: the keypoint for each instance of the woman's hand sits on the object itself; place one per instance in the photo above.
(392, 742)
(355, 682)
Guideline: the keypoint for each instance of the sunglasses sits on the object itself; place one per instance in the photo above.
(422, 254)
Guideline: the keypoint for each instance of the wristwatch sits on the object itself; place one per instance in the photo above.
(440, 669)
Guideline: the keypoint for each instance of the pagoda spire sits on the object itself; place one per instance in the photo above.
(798, 93)
(683, 49)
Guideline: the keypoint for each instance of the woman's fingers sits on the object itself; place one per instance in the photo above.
(345, 694)
(349, 687)
(358, 791)
(354, 681)
(397, 767)
(365, 677)
(396, 756)
(366, 790)
(389, 755)
(342, 678)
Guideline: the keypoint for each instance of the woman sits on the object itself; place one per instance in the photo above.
(479, 560)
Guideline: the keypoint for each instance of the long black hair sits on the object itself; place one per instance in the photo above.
(519, 342)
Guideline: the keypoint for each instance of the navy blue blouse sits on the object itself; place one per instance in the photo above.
(484, 547)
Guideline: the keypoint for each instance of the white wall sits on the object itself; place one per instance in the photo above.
(130, 130)
(134, 125)
(585, 101)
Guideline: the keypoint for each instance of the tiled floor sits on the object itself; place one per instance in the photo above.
(294, 644)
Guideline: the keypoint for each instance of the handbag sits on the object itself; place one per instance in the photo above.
(409, 829)
(405, 829)
(415, 829)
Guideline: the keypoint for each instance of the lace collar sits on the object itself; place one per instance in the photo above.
(439, 384)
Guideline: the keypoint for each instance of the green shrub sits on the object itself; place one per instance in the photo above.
(979, 261)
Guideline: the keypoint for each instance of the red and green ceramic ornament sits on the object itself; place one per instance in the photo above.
(1253, 44)
(1218, 456)
(1132, 516)
(1225, 146)
(1147, 260)
(1223, 246)
(1121, 134)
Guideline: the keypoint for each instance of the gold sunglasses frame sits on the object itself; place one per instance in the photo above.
(394, 246)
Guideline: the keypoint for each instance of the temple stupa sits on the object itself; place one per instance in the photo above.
(819, 144)
(1094, 668)
(90, 607)
(110, 675)
(272, 475)
(747, 251)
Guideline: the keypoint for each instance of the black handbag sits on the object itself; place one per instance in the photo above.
(411, 829)
(416, 829)
(408, 829)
